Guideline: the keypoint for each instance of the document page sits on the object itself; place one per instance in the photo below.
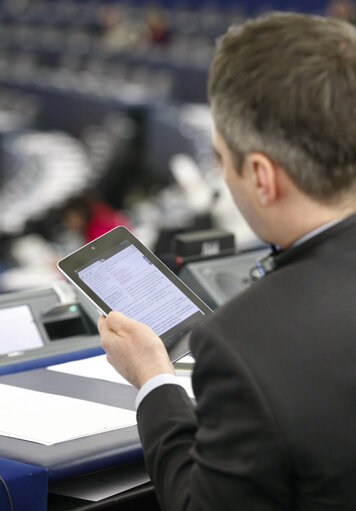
(99, 368)
(128, 282)
(49, 419)
(93, 367)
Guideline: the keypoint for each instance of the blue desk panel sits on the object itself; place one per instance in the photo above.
(81, 455)
(27, 485)
(49, 360)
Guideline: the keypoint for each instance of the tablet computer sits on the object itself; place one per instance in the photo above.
(117, 272)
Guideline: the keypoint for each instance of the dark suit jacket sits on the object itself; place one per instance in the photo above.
(275, 381)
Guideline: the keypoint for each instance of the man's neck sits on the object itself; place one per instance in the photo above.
(310, 218)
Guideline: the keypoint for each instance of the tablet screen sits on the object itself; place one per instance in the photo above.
(127, 277)
(18, 330)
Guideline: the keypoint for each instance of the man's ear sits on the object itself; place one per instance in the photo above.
(264, 174)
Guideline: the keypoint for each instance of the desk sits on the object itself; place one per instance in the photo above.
(25, 483)
(75, 457)
(44, 468)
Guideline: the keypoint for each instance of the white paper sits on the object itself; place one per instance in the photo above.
(93, 367)
(188, 359)
(49, 419)
(99, 368)
(186, 381)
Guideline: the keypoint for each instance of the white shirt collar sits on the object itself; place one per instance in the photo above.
(316, 231)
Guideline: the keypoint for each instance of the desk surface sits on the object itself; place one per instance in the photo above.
(81, 455)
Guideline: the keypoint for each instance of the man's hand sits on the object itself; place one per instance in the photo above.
(133, 349)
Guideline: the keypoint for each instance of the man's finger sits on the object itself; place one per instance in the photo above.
(101, 323)
(117, 320)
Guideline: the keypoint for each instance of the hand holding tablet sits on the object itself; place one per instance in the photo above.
(117, 272)
(133, 349)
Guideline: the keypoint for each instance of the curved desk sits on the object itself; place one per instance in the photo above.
(71, 458)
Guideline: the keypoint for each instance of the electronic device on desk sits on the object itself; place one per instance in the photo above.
(210, 266)
(41, 326)
(206, 244)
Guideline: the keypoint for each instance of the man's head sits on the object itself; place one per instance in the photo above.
(284, 85)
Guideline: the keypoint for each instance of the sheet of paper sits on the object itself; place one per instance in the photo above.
(99, 368)
(49, 419)
(186, 381)
(94, 367)
(188, 359)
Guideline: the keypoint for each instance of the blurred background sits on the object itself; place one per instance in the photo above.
(104, 121)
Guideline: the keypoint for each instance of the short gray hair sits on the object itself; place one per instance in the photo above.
(285, 85)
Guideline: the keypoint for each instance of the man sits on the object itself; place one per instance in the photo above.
(274, 427)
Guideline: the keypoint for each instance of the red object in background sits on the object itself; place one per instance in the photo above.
(103, 219)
